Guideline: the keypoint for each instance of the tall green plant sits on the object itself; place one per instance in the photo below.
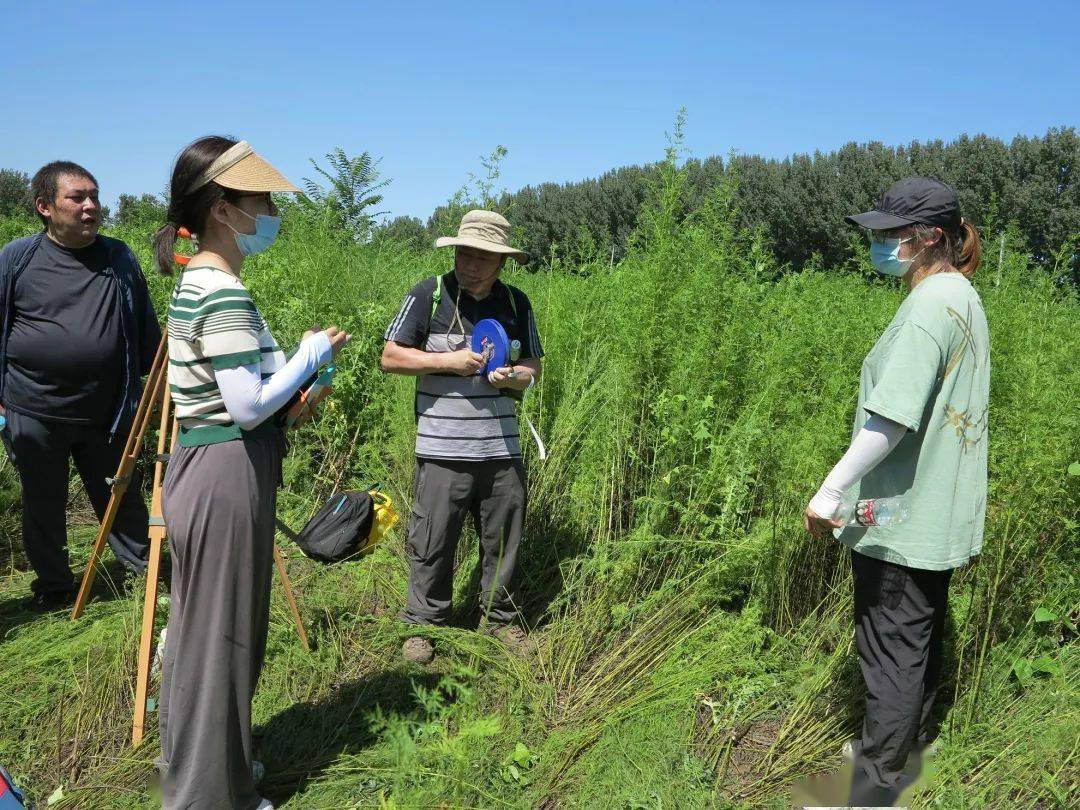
(351, 195)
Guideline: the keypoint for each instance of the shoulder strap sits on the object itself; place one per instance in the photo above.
(436, 297)
(513, 299)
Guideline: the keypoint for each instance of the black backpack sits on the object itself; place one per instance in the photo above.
(340, 529)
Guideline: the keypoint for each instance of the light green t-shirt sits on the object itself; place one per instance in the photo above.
(929, 371)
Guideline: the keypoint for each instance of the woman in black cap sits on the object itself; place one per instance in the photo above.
(916, 469)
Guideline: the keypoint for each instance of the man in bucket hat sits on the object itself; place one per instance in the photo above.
(468, 451)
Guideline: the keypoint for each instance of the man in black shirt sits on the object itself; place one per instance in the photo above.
(78, 329)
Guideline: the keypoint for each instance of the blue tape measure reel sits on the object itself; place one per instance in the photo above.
(490, 340)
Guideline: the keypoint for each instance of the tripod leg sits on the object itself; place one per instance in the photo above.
(146, 639)
(291, 598)
(157, 539)
(155, 383)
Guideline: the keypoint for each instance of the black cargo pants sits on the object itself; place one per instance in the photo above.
(899, 622)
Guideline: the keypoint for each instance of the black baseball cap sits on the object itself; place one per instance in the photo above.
(913, 200)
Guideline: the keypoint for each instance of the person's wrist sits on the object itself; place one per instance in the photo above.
(324, 350)
(824, 503)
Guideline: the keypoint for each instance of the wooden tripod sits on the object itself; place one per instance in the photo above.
(156, 395)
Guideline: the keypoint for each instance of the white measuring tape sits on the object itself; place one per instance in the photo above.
(515, 353)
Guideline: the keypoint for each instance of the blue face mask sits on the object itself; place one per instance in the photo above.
(266, 231)
(885, 256)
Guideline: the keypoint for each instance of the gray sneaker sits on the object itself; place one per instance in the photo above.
(418, 650)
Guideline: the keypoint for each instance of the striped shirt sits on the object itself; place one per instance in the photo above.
(463, 418)
(213, 325)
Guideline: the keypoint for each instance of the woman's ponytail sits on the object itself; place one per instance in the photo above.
(164, 240)
(959, 249)
(188, 210)
(968, 253)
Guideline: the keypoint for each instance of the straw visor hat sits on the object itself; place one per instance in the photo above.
(484, 230)
(239, 168)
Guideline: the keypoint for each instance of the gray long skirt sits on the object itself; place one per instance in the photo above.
(219, 502)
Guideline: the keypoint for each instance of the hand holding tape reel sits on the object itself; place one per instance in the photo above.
(491, 342)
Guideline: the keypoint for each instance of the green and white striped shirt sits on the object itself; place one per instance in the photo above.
(213, 325)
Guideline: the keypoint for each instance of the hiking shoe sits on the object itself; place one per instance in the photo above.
(51, 601)
(418, 650)
(514, 637)
(265, 805)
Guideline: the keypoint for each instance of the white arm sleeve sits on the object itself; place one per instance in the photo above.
(250, 400)
(876, 440)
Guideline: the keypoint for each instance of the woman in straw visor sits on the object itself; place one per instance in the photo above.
(228, 377)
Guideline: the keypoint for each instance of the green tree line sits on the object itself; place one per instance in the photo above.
(799, 202)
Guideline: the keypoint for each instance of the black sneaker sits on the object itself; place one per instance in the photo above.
(50, 601)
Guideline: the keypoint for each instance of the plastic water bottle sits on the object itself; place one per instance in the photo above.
(874, 512)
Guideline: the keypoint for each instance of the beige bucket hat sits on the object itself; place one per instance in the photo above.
(239, 168)
(484, 230)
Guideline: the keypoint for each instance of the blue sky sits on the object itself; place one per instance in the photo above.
(571, 89)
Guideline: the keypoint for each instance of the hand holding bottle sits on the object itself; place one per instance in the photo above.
(817, 525)
(867, 512)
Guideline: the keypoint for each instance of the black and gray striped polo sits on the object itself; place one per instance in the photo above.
(463, 418)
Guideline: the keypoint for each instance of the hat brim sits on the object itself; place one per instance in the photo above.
(879, 220)
(482, 244)
(254, 174)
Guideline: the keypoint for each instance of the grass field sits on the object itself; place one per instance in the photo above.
(695, 646)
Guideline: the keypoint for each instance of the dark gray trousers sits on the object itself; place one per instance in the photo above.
(899, 623)
(445, 493)
(219, 503)
(42, 451)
